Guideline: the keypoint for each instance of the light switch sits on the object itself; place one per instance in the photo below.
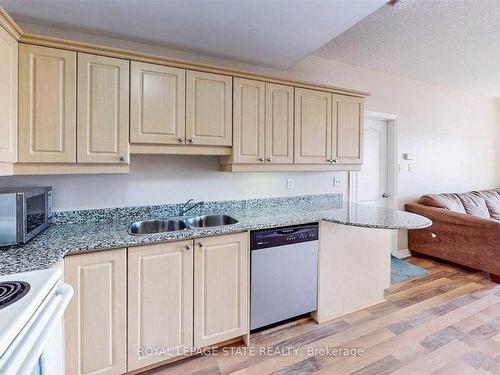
(408, 156)
(290, 183)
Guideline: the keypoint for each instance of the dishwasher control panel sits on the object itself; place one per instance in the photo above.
(262, 239)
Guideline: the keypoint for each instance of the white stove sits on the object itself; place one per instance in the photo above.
(31, 308)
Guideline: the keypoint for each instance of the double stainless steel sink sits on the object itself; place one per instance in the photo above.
(210, 221)
(154, 226)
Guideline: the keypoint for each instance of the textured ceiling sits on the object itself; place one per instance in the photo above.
(272, 33)
(450, 43)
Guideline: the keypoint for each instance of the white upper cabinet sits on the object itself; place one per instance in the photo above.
(328, 128)
(208, 109)
(86, 113)
(103, 109)
(8, 97)
(279, 123)
(313, 126)
(157, 104)
(249, 121)
(263, 122)
(347, 132)
(47, 105)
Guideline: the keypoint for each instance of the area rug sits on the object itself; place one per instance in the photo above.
(402, 271)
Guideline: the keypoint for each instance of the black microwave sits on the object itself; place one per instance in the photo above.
(24, 212)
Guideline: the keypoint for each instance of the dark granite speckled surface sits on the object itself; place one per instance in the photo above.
(90, 230)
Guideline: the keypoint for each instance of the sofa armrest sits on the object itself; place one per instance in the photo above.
(441, 215)
(459, 238)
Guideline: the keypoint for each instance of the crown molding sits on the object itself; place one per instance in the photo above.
(10, 25)
(53, 42)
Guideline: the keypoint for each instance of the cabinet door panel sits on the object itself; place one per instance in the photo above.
(348, 130)
(96, 319)
(8, 97)
(279, 123)
(160, 304)
(313, 126)
(208, 109)
(47, 105)
(348, 280)
(249, 115)
(103, 109)
(220, 288)
(157, 104)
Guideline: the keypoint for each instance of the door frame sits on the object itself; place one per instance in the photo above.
(392, 168)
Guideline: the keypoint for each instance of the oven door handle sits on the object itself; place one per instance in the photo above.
(39, 334)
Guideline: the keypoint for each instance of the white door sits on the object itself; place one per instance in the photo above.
(370, 185)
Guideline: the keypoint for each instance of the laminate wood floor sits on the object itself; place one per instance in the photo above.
(447, 322)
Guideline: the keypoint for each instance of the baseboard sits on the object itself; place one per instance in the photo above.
(403, 253)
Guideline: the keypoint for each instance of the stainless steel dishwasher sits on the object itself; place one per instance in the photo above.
(284, 273)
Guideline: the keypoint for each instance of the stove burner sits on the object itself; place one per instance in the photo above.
(11, 291)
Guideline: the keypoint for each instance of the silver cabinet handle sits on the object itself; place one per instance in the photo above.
(261, 160)
(122, 158)
(433, 235)
(328, 160)
(269, 160)
(386, 195)
(334, 160)
(188, 247)
(190, 140)
(200, 244)
(180, 140)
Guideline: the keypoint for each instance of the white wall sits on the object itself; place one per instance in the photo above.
(454, 137)
(157, 179)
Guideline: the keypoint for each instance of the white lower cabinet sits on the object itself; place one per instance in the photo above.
(95, 323)
(136, 307)
(221, 282)
(160, 302)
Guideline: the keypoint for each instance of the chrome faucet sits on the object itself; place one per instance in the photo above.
(186, 208)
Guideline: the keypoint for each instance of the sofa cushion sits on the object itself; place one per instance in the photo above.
(492, 200)
(446, 200)
(474, 204)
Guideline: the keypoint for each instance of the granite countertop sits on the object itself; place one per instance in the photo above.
(87, 234)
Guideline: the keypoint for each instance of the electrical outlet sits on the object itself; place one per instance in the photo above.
(290, 183)
(337, 181)
(410, 167)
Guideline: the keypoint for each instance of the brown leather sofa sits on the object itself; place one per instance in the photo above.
(465, 229)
